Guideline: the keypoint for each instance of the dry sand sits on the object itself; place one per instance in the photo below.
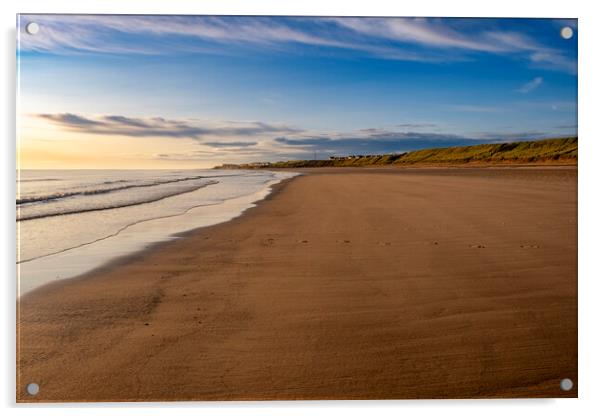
(344, 284)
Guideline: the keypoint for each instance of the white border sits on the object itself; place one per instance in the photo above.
(590, 231)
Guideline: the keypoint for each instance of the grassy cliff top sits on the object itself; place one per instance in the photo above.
(558, 151)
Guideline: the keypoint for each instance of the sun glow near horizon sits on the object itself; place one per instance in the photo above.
(45, 145)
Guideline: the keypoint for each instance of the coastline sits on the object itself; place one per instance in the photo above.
(297, 299)
(132, 238)
(151, 248)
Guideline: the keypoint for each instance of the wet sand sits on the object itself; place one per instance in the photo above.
(344, 284)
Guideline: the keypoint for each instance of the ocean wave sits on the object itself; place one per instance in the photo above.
(39, 180)
(138, 199)
(104, 190)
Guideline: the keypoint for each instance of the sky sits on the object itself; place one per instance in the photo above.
(163, 92)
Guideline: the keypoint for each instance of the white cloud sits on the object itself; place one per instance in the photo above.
(120, 125)
(531, 85)
(416, 30)
(407, 38)
(470, 108)
(68, 33)
(554, 60)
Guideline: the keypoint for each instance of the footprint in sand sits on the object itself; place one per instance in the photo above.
(477, 246)
(169, 275)
(528, 246)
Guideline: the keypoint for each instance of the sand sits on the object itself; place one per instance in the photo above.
(343, 284)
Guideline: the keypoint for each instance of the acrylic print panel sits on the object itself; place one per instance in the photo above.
(275, 208)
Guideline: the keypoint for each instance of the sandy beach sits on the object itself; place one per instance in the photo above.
(343, 284)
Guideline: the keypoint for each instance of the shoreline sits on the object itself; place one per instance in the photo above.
(326, 291)
(150, 248)
(133, 238)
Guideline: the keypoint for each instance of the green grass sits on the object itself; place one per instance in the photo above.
(559, 151)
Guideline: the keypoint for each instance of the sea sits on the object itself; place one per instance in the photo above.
(70, 222)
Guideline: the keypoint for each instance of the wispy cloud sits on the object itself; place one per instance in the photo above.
(383, 141)
(437, 33)
(472, 108)
(160, 127)
(119, 34)
(429, 32)
(242, 141)
(549, 59)
(412, 39)
(230, 144)
(417, 125)
(531, 85)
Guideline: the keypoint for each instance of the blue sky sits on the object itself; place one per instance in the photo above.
(199, 91)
